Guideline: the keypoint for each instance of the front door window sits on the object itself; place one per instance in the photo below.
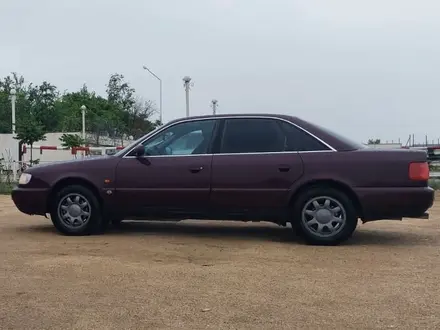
(188, 138)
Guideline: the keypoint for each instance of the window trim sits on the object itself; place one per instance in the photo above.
(219, 127)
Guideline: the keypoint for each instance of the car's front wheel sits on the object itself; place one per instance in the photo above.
(325, 216)
(76, 211)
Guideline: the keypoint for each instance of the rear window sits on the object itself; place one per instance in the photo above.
(352, 144)
(298, 140)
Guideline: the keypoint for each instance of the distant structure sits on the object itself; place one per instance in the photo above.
(187, 84)
(411, 142)
(385, 145)
(214, 104)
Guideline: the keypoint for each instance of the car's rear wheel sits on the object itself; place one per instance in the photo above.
(76, 211)
(324, 216)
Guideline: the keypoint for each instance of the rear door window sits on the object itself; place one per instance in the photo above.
(252, 135)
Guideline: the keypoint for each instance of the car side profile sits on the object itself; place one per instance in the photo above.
(248, 167)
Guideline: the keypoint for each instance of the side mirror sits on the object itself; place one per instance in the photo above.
(139, 151)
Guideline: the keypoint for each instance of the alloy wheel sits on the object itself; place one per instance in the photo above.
(74, 210)
(323, 216)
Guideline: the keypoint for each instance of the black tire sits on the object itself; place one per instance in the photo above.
(95, 223)
(310, 232)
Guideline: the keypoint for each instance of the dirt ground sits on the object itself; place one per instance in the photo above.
(214, 275)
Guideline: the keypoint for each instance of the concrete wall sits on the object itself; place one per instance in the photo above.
(9, 148)
(52, 139)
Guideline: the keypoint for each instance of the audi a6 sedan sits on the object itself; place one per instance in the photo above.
(245, 167)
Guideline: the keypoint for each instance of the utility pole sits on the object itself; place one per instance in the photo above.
(13, 98)
(214, 104)
(160, 92)
(186, 84)
(83, 115)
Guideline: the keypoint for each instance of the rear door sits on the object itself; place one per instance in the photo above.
(251, 169)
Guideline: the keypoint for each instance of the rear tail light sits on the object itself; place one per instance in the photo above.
(419, 171)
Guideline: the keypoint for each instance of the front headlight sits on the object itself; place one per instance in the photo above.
(24, 178)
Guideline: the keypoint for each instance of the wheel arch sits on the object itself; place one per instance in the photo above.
(69, 181)
(329, 183)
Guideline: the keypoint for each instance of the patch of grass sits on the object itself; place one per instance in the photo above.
(434, 183)
(6, 188)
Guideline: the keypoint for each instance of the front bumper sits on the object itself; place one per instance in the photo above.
(395, 203)
(31, 200)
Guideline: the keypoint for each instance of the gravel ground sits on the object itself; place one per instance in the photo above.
(214, 275)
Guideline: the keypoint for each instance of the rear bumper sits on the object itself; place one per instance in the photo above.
(424, 216)
(395, 203)
(31, 200)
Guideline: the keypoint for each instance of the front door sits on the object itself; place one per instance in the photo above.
(252, 172)
(173, 179)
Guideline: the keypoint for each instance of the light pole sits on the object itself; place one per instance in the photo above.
(186, 83)
(214, 104)
(83, 114)
(160, 91)
(13, 98)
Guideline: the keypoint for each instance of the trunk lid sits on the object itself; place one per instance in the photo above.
(389, 168)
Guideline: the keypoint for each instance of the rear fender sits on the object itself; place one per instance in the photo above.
(338, 184)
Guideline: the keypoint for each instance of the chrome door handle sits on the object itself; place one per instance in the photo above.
(196, 169)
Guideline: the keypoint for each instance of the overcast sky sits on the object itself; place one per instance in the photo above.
(363, 68)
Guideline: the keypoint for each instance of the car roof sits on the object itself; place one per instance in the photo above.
(220, 116)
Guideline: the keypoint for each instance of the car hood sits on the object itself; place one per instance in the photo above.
(74, 163)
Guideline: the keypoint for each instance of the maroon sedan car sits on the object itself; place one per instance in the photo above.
(236, 167)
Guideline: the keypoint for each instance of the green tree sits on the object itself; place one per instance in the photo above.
(118, 114)
(30, 131)
(133, 117)
(6, 84)
(103, 118)
(69, 108)
(42, 100)
(122, 96)
(71, 140)
(32, 100)
(374, 141)
(5, 113)
(120, 92)
(136, 118)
